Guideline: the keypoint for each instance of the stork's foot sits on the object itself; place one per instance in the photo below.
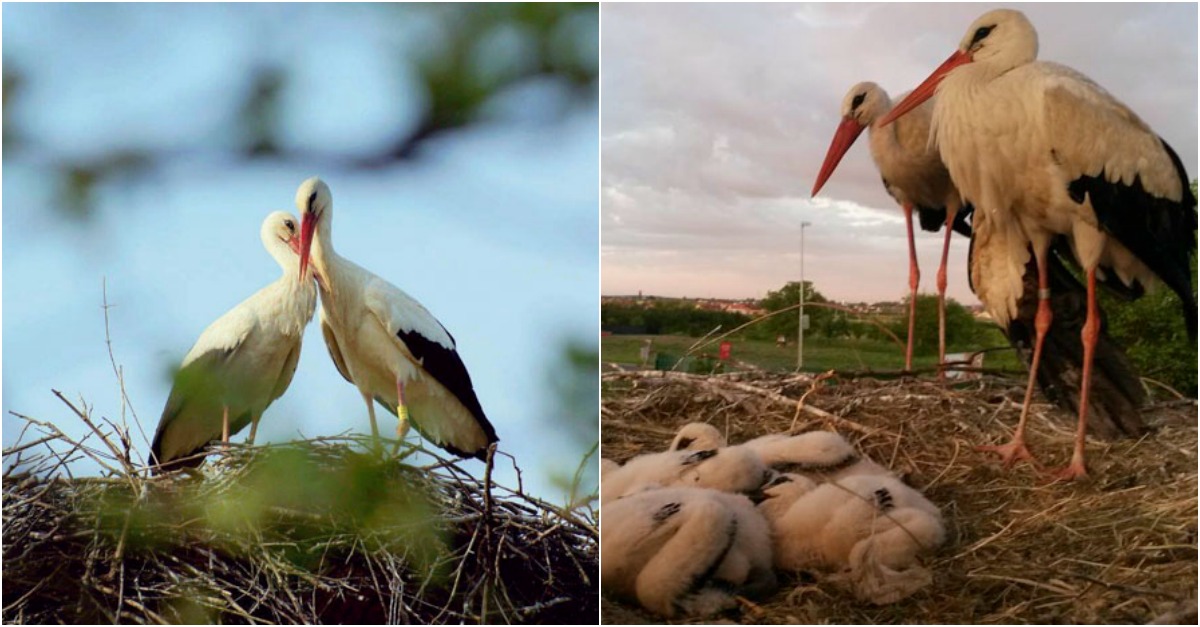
(1011, 453)
(1076, 470)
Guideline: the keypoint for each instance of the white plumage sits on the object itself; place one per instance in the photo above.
(867, 531)
(815, 454)
(1041, 151)
(242, 362)
(684, 551)
(728, 470)
(387, 344)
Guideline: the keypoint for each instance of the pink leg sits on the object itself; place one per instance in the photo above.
(1091, 331)
(914, 279)
(225, 426)
(951, 212)
(1015, 450)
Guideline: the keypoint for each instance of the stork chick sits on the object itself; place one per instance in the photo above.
(868, 531)
(727, 470)
(815, 454)
(685, 551)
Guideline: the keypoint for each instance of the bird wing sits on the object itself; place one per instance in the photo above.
(335, 352)
(418, 333)
(289, 370)
(195, 390)
(1135, 182)
(1093, 133)
(196, 386)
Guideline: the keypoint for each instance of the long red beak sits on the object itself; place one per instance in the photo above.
(307, 227)
(925, 90)
(843, 139)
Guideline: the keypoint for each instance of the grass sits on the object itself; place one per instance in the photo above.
(820, 353)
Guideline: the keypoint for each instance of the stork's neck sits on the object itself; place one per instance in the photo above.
(324, 257)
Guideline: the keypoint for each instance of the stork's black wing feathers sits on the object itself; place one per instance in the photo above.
(446, 366)
(1159, 231)
(934, 218)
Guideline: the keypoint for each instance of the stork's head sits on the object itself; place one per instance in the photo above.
(862, 104)
(780, 492)
(281, 237)
(997, 42)
(315, 204)
(697, 436)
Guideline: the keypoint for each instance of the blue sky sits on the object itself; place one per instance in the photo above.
(493, 228)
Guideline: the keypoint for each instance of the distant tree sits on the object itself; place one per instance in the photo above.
(789, 296)
(961, 328)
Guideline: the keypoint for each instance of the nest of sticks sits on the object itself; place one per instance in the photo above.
(1118, 547)
(315, 531)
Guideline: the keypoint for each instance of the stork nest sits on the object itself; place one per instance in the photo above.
(314, 531)
(1118, 547)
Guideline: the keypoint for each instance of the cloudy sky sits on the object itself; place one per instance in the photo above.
(715, 120)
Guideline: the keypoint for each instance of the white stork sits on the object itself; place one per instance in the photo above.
(387, 344)
(913, 175)
(242, 362)
(1042, 151)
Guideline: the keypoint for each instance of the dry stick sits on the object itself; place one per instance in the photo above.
(797, 306)
(117, 370)
(1162, 385)
(485, 556)
(817, 383)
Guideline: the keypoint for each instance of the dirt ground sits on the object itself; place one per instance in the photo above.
(1117, 547)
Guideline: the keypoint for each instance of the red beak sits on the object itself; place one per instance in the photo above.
(925, 90)
(843, 139)
(307, 227)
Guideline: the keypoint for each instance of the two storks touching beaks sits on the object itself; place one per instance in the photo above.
(380, 339)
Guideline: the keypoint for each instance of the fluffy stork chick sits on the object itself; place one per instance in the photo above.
(242, 362)
(816, 454)
(727, 470)
(685, 551)
(869, 531)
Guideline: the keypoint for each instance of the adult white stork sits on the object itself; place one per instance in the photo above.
(913, 175)
(1042, 151)
(387, 344)
(242, 362)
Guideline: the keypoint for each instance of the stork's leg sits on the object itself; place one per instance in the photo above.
(951, 212)
(1091, 331)
(225, 426)
(914, 279)
(374, 427)
(1015, 450)
(253, 429)
(401, 410)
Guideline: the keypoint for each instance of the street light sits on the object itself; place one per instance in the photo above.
(800, 331)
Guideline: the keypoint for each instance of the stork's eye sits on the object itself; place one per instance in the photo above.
(291, 226)
(858, 100)
(980, 33)
(312, 198)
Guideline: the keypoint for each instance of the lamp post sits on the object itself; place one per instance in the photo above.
(800, 330)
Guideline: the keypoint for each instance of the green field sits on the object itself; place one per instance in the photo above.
(820, 353)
